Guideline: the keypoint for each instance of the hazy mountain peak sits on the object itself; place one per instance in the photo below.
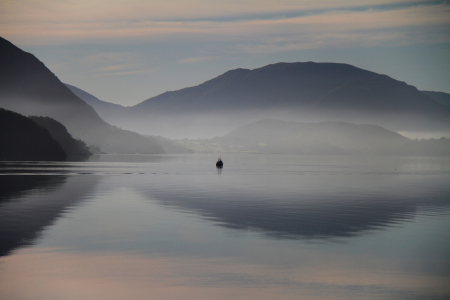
(8, 48)
(300, 91)
(28, 87)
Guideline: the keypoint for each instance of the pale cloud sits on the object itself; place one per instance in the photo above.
(114, 64)
(115, 68)
(109, 58)
(199, 59)
(75, 22)
(124, 73)
(31, 11)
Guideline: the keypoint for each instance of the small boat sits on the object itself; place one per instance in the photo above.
(219, 163)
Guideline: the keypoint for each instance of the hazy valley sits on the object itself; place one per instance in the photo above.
(291, 108)
(302, 92)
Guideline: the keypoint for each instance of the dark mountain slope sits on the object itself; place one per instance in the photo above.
(23, 139)
(29, 88)
(103, 108)
(71, 146)
(293, 91)
(294, 85)
(439, 97)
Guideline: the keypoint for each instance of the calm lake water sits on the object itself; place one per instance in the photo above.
(263, 227)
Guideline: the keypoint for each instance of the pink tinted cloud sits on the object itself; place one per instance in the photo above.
(136, 10)
(66, 23)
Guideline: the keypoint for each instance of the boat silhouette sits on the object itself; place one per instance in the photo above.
(219, 163)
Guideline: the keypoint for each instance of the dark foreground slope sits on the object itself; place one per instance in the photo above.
(292, 91)
(29, 88)
(23, 139)
(71, 146)
(329, 138)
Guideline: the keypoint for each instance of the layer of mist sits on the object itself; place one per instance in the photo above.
(170, 146)
(103, 108)
(325, 138)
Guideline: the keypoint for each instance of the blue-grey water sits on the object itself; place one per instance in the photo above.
(262, 227)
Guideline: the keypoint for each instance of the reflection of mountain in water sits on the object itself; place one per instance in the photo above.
(29, 204)
(304, 216)
(14, 187)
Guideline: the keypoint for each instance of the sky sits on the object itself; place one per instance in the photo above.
(125, 52)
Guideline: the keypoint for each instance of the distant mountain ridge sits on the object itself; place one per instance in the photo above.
(103, 108)
(306, 92)
(323, 138)
(305, 84)
(291, 91)
(317, 138)
(439, 97)
(29, 88)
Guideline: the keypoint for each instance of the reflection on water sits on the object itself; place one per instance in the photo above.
(28, 204)
(264, 226)
(302, 215)
(15, 186)
(219, 170)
